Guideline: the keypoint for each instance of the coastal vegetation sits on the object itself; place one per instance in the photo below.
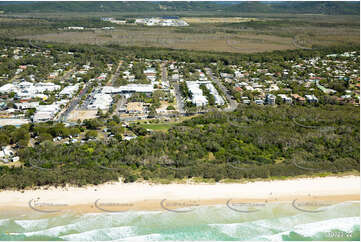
(251, 142)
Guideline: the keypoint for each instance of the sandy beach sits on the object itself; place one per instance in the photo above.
(119, 196)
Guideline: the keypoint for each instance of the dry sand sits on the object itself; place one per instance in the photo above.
(119, 196)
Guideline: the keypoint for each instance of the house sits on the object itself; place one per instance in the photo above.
(8, 154)
(270, 99)
(311, 98)
(129, 137)
(325, 90)
(226, 75)
(102, 77)
(298, 98)
(285, 99)
(246, 101)
(259, 101)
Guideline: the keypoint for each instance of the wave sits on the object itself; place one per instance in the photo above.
(278, 221)
(3, 221)
(282, 219)
(148, 237)
(318, 229)
(31, 225)
(101, 234)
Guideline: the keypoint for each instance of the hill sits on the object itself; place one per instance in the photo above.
(329, 8)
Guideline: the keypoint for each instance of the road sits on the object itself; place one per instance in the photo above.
(164, 72)
(74, 102)
(178, 96)
(114, 76)
(232, 104)
(62, 79)
(121, 102)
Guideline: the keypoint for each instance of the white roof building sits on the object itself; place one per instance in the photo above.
(69, 90)
(130, 88)
(25, 84)
(46, 112)
(42, 116)
(46, 86)
(28, 89)
(197, 94)
(218, 99)
(27, 105)
(101, 101)
(7, 88)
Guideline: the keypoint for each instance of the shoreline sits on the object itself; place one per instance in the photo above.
(121, 197)
(155, 205)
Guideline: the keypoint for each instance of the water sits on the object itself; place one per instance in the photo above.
(273, 222)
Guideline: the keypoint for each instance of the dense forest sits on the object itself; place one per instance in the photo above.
(251, 142)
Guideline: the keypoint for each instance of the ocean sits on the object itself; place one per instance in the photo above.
(272, 222)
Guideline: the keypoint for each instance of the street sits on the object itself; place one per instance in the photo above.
(232, 103)
(74, 102)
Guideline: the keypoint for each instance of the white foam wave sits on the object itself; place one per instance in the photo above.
(101, 234)
(311, 229)
(3, 221)
(148, 237)
(31, 225)
(342, 224)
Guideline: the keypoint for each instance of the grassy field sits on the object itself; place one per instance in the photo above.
(158, 126)
(241, 34)
(163, 37)
(162, 125)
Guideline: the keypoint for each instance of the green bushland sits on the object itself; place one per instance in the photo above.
(251, 142)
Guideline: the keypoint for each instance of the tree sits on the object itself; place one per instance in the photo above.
(74, 131)
(170, 107)
(30, 112)
(116, 119)
(21, 137)
(92, 123)
(44, 137)
(91, 134)
(4, 139)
